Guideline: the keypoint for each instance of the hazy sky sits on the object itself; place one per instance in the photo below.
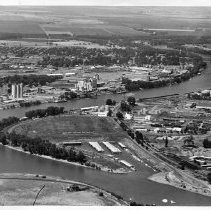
(110, 2)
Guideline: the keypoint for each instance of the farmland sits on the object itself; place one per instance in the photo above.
(21, 27)
(66, 22)
(66, 128)
(91, 30)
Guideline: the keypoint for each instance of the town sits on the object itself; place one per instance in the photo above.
(105, 105)
(61, 78)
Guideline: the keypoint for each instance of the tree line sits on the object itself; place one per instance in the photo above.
(69, 95)
(28, 104)
(137, 85)
(37, 145)
(207, 143)
(44, 147)
(39, 113)
(31, 80)
(7, 122)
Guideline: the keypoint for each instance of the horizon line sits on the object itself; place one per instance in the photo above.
(85, 5)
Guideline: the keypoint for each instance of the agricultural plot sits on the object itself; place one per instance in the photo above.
(58, 33)
(122, 30)
(92, 29)
(21, 27)
(71, 128)
(103, 21)
(76, 30)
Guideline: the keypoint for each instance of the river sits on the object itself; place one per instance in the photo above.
(134, 185)
(202, 81)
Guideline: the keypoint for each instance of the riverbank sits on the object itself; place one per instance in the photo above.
(170, 178)
(21, 189)
(103, 168)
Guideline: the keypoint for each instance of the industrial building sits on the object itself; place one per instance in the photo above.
(86, 84)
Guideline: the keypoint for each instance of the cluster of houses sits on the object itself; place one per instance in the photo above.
(25, 64)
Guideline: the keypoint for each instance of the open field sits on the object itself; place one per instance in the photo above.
(92, 29)
(21, 27)
(67, 128)
(21, 189)
(103, 21)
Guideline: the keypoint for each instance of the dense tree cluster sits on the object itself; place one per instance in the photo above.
(125, 107)
(39, 113)
(142, 54)
(29, 79)
(207, 143)
(8, 121)
(68, 95)
(3, 138)
(28, 104)
(131, 133)
(110, 102)
(5, 123)
(122, 55)
(44, 147)
(119, 115)
(139, 137)
(131, 100)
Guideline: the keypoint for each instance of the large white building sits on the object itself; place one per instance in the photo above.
(86, 84)
(17, 91)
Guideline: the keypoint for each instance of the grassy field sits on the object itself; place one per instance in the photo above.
(67, 128)
(82, 128)
(14, 191)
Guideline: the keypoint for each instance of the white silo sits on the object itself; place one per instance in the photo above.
(17, 91)
(21, 90)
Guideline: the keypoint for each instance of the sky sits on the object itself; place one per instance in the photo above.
(110, 2)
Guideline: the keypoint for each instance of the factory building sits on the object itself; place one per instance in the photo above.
(87, 84)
